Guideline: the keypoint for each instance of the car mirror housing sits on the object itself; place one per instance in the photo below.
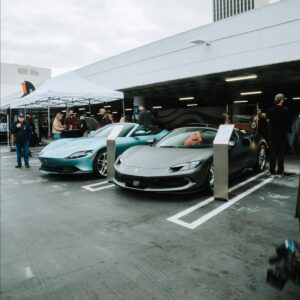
(246, 142)
(140, 133)
(232, 143)
(151, 142)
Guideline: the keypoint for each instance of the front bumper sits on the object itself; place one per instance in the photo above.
(159, 184)
(82, 165)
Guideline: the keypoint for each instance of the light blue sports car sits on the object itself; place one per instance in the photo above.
(88, 154)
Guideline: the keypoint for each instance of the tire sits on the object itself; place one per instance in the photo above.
(210, 179)
(261, 159)
(100, 164)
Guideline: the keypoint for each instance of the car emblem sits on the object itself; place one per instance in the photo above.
(136, 170)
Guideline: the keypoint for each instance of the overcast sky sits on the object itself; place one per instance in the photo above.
(67, 34)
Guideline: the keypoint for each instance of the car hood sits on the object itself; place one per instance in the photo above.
(160, 158)
(65, 147)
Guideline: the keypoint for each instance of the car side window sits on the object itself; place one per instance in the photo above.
(126, 129)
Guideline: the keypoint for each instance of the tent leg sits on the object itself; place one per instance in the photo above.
(123, 106)
(8, 127)
(90, 115)
(49, 121)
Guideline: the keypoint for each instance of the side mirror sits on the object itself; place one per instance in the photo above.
(151, 142)
(246, 142)
(140, 133)
(232, 143)
(92, 133)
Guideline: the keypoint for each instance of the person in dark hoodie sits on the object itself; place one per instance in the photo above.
(22, 131)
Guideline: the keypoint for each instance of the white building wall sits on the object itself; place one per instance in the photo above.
(12, 75)
(258, 37)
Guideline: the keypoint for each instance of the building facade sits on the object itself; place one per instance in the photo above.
(12, 75)
(227, 8)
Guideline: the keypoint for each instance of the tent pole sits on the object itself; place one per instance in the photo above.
(49, 122)
(8, 127)
(25, 111)
(90, 114)
(123, 105)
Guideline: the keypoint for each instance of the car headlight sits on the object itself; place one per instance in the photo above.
(186, 166)
(79, 154)
(119, 160)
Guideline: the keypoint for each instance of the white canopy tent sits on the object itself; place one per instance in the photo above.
(68, 89)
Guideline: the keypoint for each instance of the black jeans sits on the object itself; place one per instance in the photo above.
(277, 151)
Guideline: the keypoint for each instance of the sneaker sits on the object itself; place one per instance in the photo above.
(27, 166)
(279, 175)
(271, 175)
(18, 166)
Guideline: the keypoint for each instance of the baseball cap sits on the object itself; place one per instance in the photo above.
(21, 115)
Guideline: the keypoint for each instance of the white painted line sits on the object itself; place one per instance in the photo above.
(91, 187)
(211, 199)
(218, 210)
(95, 184)
(28, 272)
(295, 171)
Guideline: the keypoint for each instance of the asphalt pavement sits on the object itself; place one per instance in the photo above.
(76, 237)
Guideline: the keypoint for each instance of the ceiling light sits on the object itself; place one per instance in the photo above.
(81, 108)
(115, 112)
(186, 98)
(251, 93)
(238, 78)
(157, 107)
(63, 111)
(241, 101)
(128, 109)
(107, 106)
(193, 104)
(296, 98)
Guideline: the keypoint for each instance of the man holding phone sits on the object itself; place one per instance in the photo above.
(22, 131)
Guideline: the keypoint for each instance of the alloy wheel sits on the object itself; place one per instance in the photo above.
(102, 164)
(262, 158)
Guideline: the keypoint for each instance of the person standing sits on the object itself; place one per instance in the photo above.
(57, 126)
(145, 117)
(278, 119)
(103, 118)
(72, 121)
(22, 131)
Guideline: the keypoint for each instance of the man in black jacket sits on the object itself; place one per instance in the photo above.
(278, 119)
(145, 117)
(22, 131)
(103, 118)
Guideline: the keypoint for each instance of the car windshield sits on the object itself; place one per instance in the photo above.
(189, 138)
(106, 130)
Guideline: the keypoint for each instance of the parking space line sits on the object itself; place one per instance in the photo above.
(28, 272)
(94, 187)
(176, 218)
(207, 201)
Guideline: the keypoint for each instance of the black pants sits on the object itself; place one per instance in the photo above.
(277, 151)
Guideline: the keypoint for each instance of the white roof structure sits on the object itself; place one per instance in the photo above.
(68, 88)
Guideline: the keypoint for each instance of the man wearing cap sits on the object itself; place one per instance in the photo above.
(22, 131)
(278, 119)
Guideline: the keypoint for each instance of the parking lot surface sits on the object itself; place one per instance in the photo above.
(76, 237)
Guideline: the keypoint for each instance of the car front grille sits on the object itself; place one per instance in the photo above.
(62, 170)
